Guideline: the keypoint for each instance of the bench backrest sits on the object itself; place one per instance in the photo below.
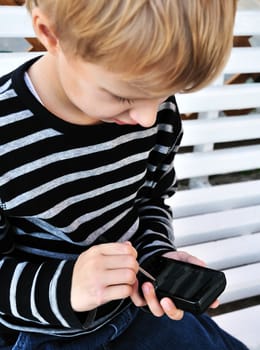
(221, 222)
(213, 126)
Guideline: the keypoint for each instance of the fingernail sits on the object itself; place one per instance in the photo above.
(146, 289)
(166, 304)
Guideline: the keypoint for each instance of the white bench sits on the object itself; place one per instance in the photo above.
(219, 223)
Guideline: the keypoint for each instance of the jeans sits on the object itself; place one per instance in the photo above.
(136, 329)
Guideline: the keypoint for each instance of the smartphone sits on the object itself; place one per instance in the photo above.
(191, 287)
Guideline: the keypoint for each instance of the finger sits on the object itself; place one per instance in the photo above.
(119, 276)
(170, 309)
(116, 248)
(184, 256)
(136, 297)
(151, 299)
(115, 292)
(191, 259)
(112, 262)
(215, 304)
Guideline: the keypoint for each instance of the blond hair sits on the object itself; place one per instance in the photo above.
(160, 45)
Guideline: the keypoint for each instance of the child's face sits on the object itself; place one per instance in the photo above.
(102, 96)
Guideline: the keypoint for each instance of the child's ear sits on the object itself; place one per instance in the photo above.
(44, 30)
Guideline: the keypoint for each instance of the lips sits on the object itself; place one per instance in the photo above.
(121, 122)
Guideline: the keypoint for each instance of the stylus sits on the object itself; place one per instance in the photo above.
(147, 274)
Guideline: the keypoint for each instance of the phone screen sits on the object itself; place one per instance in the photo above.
(184, 280)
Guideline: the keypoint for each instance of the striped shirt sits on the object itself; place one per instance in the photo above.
(65, 188)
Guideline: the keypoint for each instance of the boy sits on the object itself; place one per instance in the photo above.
(88, 135)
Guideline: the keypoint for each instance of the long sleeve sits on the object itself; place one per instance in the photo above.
(155, 234)
(34, 293)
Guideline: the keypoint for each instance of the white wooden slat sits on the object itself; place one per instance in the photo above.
(215, 98)
(222, 129)
(15, 22)
(221, 161)
(236, 290)
(214, 198)
(213, 226)
(243, 60)
(230, 252)
(10, 61)
(243, 324)
(247, 22)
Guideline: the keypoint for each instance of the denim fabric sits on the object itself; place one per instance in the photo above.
(191, 333)
(139, 330)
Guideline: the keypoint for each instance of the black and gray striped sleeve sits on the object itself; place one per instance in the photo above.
(155, 234)
(31, 292)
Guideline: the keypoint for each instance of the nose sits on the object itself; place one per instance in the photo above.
(145, 112)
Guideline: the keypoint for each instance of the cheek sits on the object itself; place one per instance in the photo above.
(86, 96)
(93, 103)
(90, 102)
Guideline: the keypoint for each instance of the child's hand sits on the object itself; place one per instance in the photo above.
(103, 273)
(165, 305)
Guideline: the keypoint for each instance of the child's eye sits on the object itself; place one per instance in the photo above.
(124, 100)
